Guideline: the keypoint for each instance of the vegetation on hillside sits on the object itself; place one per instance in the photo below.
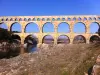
(5, 35)
(53, 60)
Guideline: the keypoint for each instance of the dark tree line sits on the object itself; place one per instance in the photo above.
(5, 34)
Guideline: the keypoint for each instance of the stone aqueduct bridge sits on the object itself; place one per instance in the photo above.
(55, 20)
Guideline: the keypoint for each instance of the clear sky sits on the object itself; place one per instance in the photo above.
(50, 7)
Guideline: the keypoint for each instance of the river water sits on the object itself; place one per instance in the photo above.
(15, 51)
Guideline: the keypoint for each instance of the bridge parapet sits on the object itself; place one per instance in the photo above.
(51, 18)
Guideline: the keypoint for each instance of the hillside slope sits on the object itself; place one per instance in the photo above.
(52, 60)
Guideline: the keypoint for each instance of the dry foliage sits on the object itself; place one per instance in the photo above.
(52, 60)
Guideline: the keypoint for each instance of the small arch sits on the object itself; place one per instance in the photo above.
(2, 19)
(79, 19)
(69, 19)
(20, 19)
(94, 18)
(43, 19)
(63, 19)
(85, 19)
(79, 28)
(63, 39)
(16, 27)
(74, 19)
(53, 19)
(11, 19)
(16, 19)
(94, 26)
(7, 19)
(3, 25)
(58, 19)
(34, 19)
(79, 39)
(48, 19)
(38, 19)
(94, 39)
(25, 19)
(48, 39)
(89, 18)
(29, 19)
(48, 27)
(31, 27)
(63, 27)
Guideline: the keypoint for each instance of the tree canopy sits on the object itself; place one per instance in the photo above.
(5, 34)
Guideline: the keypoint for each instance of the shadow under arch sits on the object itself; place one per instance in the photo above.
(94, 39)
(48, 39)
(94, 26)
(16, 38)
(31, 27)
(79, 39)
(48, 27)
(30, 43)
(79, 27)
(16, 27)
(3, 25)
(63, 27)
(33, 39)
(63, 39)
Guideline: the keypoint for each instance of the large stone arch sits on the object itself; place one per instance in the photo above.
(63, 39)
(79, 39)
(94, 39)
(65, 26)
(32, 27)
(49, 28)
(94, 26)
(16, 38)
(31, 42)
(17, 28)
(79, 27)
(31, 37)
(48, 39)
(3, 25)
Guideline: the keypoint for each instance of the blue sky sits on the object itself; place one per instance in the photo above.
(50, 7)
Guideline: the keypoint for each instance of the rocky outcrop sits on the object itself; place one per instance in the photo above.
(52, 60)
(96, 67)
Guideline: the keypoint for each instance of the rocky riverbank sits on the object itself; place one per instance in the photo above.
(52, 60)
